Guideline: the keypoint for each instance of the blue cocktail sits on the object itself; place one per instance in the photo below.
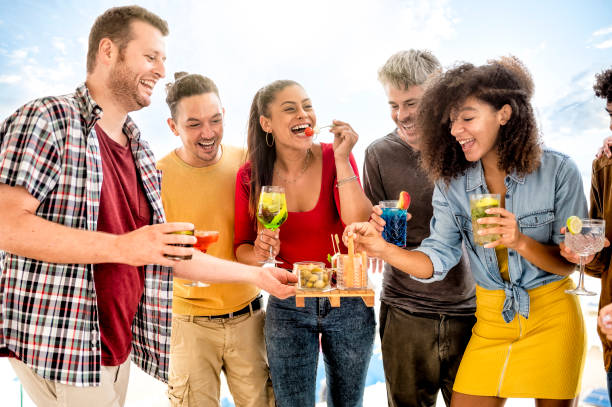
(395, 223)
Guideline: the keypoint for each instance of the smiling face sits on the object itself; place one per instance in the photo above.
(404, 104)
(138, 67)
(475, 125)
(289, 114)
(199, 124)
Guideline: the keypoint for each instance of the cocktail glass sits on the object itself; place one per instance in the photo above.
(479, 203)
(395, 223)
(204, 239)
(187, 257)
(271, 213)
(588, 241)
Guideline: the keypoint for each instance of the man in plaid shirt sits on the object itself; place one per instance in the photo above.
(85, 283)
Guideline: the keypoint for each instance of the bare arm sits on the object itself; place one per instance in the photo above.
(545, 256)
(355, 206)
(24, 233)
(204, 267)
(369, 239)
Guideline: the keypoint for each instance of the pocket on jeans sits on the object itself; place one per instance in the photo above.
(178, 391)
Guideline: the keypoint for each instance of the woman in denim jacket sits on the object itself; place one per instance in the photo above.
(480, 136)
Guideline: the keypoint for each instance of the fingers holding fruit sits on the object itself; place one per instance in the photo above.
(344, 139)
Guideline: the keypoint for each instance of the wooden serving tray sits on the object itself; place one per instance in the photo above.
(367, 295)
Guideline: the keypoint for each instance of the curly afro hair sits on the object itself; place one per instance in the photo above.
(499, 82)
(603, 85)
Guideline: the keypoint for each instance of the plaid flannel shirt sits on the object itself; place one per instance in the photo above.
(49, 315)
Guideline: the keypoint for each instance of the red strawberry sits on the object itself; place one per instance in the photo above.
(309, 132)
(404, 200)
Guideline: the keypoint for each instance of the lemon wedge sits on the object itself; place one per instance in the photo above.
(574, 225)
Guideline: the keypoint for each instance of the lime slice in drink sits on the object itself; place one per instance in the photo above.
(574, 225)
(278, 219)
(487, 202)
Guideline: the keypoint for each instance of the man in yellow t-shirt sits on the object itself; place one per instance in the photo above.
(219, 326)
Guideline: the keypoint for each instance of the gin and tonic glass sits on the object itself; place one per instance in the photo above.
(588, 241)
(271, 213)
(479, 203)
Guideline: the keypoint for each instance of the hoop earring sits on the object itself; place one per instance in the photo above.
(268, 142)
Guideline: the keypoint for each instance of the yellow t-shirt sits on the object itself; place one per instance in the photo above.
(205, 197)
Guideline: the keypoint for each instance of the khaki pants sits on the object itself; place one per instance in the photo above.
(47, 393)
(201, 348)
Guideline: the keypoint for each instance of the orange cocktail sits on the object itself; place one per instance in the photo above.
(205, 238)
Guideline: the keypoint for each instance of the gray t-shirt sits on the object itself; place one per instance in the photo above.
(392, 166)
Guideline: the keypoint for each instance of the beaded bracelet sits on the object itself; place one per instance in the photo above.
(345, 180)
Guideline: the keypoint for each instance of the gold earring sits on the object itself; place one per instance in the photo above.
(268, 142)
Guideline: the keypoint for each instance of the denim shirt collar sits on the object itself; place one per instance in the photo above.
(517, 298)
(474, 178)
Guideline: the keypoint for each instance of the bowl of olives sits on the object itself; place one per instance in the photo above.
(312, 275)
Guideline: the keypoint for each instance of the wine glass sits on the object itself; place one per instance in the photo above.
(271, 213)
(588, 241)
(204, 239)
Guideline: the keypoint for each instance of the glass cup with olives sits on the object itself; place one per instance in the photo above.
(312, 275)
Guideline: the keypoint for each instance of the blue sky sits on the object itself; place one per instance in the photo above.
(334, 49)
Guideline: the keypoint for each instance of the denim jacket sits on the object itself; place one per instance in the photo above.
(541, 201)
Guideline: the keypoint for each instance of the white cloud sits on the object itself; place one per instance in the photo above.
(603, 31)
(9, 79)
(605, 44)
(18, 55)
(58, 43)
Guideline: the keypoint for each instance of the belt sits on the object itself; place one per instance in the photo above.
(250, 307)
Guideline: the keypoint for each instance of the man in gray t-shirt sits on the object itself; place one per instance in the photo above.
(424, 328)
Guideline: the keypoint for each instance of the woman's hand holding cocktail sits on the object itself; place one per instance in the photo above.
(504, 225)
(266, 243)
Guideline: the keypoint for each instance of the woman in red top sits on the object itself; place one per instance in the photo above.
(319, 180)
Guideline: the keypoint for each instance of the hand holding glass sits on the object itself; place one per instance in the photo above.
(395, 223)
(204, 239)
(271, 213)
(479, 203)
(588, 241)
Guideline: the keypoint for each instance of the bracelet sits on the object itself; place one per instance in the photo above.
(345, 180)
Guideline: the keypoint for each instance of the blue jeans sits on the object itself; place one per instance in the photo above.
(292, 342)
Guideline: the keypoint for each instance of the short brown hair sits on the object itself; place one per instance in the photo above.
(115, 24)
(186, 85)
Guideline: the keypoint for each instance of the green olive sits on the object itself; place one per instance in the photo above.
(319, 284)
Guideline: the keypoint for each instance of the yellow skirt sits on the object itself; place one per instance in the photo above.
(539, 357)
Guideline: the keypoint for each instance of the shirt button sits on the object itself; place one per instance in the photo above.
(507, 196)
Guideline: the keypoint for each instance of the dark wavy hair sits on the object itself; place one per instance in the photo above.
(499, 82)
(603, 85)
(260, 155)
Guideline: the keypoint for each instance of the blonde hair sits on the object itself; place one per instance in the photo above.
(408, 68)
